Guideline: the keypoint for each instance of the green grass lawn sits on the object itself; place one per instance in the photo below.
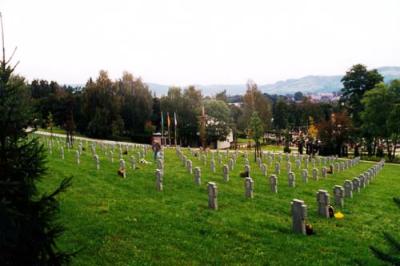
(127, 222)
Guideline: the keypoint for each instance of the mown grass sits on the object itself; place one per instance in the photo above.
(127, 222)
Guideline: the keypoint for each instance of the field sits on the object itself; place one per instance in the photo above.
(114, 221)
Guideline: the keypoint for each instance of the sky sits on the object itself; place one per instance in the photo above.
(182, 42)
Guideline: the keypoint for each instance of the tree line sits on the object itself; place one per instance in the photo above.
(126, 108)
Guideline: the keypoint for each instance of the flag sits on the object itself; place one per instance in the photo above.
(168, 120)
(175, 121)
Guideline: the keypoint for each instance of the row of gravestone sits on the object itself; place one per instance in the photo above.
(106, 146)
(249, 182)
(270, 157)
(337, 166)
(299, 208)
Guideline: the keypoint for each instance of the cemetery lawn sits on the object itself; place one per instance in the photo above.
(114, 221)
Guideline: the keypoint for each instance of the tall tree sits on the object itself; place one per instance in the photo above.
(256, 130)
(255, 101)
(356, 82)
(102, 107)
(27, 219)
(381, 117)
(136, 104)
(218, 120)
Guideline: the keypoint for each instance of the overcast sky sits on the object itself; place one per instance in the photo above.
(181, 42)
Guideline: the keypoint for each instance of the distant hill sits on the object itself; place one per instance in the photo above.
(307, 84)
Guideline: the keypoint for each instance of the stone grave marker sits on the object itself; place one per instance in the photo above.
(304, 175)
(212, 165)
(264, 169)
(97, 161)
(273, 183)
(356, 184)
(277, 168)
(122, 167)
(338, 192)
(348, 189)
(291, 179)
(159, 180)
(299, 216)
(315, 173)
(249, 186)
(197, 175)
(225, 170)
(212, 195)
(324, 172)
(323, 203)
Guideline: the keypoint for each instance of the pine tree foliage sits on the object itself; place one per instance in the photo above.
(28, 225)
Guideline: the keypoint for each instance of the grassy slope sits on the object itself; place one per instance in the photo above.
(127, 222)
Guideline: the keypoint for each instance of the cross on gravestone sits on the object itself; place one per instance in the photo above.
(291, 179)
(348, 189)
(212, 195)
(212, 165)
(133, 162)
(277, 168)
(289, 167)
(189, 166)
(313, 162)
(248, 186)
(315, 173)
(197, 175)
(78, 160)
(62, 153)
(97, 161)
(231, 164)
(159, 180)
(338, 192)
(273, 183)
(299, 216)
(323, 172)
(304, 175)
(323, 203)
(225, 170)
(356, 184)
(264, 169)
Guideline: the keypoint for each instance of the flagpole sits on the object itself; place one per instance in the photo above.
(169, 127)
(162, 128)
(175, 124)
